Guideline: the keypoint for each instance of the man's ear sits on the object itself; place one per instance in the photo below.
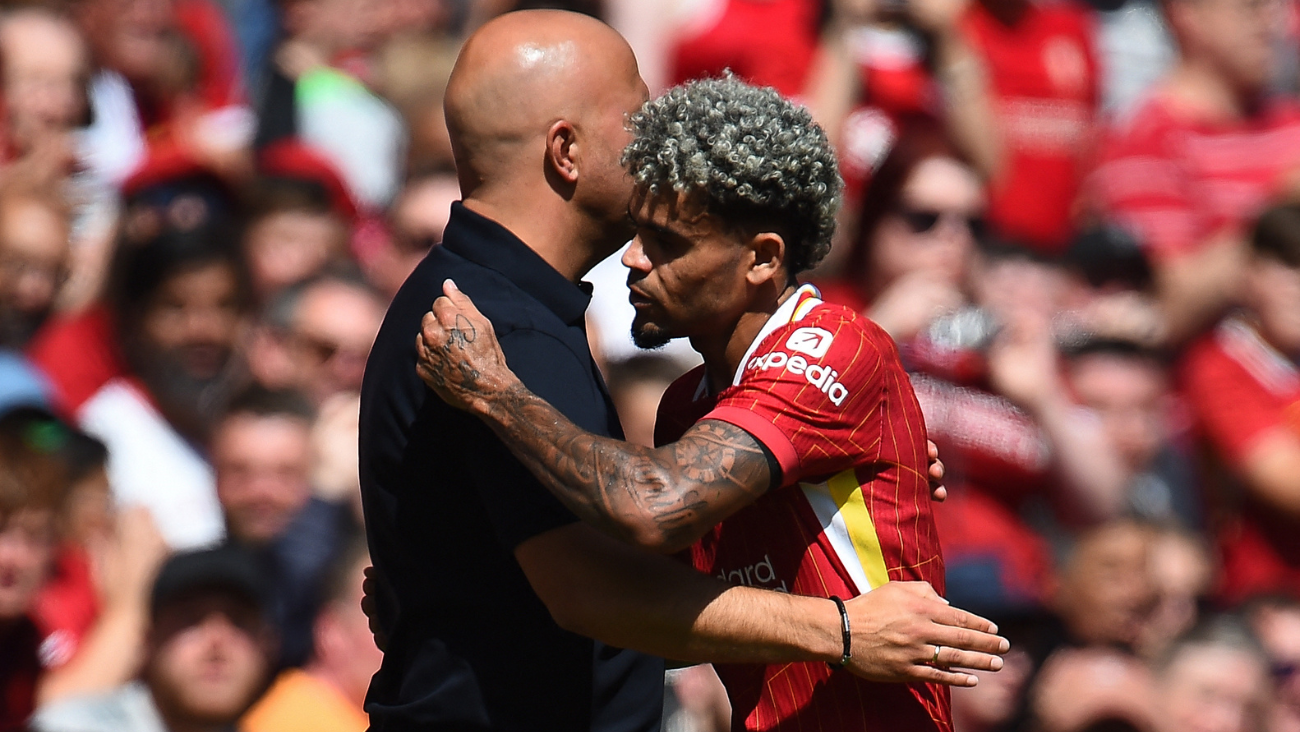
(562, 151)
(769, 259)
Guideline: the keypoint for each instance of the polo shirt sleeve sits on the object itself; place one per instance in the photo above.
(518, 505)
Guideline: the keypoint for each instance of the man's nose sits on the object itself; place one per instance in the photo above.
(634, 257)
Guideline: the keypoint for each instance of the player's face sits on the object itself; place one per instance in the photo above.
(686, 272)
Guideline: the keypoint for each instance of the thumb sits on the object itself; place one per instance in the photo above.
(453, 292)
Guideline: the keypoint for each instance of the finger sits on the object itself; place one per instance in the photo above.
(956, 658)
(431, 326)
(446, 310)
(936, 675)
(932, 449)
(937, 470)
(964, 639)
(958, 618)
(939, 494)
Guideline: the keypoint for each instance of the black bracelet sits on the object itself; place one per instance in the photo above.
(844, 630)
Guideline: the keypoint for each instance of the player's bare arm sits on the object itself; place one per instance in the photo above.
(663, 499)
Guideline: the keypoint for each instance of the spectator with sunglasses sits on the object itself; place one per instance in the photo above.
(920, 217)
(316, 336)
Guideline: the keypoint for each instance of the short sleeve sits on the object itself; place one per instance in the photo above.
(1233, 409)
(811, 393)
(517, 504)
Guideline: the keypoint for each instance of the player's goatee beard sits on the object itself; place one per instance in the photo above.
(649, 337)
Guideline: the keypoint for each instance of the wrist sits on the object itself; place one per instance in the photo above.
(846, 635)
(492, 389)
(824, 640)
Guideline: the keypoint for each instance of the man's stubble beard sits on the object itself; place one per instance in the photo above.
(190, 403)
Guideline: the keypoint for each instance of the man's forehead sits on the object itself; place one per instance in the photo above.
(672, 210)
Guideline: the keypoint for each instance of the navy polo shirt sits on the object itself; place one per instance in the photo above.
(470, 646)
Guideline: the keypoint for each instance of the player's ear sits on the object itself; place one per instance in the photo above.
(769, 258)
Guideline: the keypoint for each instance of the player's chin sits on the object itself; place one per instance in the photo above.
(648, 335)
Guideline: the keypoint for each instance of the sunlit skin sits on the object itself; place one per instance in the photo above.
(195, 318)
(263, 466)
(1106, 591)
(1130, 396)
(46, 65)
(33, 256)
(129, 36)
(940, 185)
(1231, 38)
(289, 246)
(345, 653)
(208, 658)
(1213, 689)
(332, 332)
(1274, 295)
(682, 269)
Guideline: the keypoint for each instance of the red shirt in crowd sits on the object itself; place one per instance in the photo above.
(765, 42)
(1044, 80)
(1242, 389)
(1176, 181)
(78, 355)
(822, 388)
(66, 607)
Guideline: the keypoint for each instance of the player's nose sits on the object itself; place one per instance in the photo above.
(634, 257)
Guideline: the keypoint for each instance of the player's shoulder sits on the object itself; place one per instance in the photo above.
(820, 328)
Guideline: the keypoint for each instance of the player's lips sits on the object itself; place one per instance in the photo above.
(637, 299)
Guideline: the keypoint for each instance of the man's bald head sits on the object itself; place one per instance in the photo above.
(523, 72)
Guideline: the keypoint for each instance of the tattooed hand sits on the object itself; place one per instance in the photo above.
(458, 353)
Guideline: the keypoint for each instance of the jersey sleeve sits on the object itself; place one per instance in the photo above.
(811, 394)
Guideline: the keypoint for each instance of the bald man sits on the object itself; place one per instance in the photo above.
(491, 592)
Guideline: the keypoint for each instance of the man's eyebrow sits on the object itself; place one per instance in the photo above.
(659, 229)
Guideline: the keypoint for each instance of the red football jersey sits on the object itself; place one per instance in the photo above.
(1176, 181)
(1044, 77)
(1241, 389)
(823, 389)
(767, 43)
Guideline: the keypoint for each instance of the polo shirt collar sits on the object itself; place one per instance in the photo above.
(489, 244)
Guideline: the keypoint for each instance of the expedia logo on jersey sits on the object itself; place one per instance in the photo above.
(812, 341)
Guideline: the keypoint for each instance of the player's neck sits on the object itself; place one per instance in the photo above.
(722, 354)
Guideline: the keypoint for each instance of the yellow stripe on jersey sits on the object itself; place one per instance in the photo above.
(847, 494)
(804, 308)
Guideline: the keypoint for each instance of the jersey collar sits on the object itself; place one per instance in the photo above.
(792, 310)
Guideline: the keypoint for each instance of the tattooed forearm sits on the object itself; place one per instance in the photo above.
(660, 498)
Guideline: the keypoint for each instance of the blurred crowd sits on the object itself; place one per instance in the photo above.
(1079, 222)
